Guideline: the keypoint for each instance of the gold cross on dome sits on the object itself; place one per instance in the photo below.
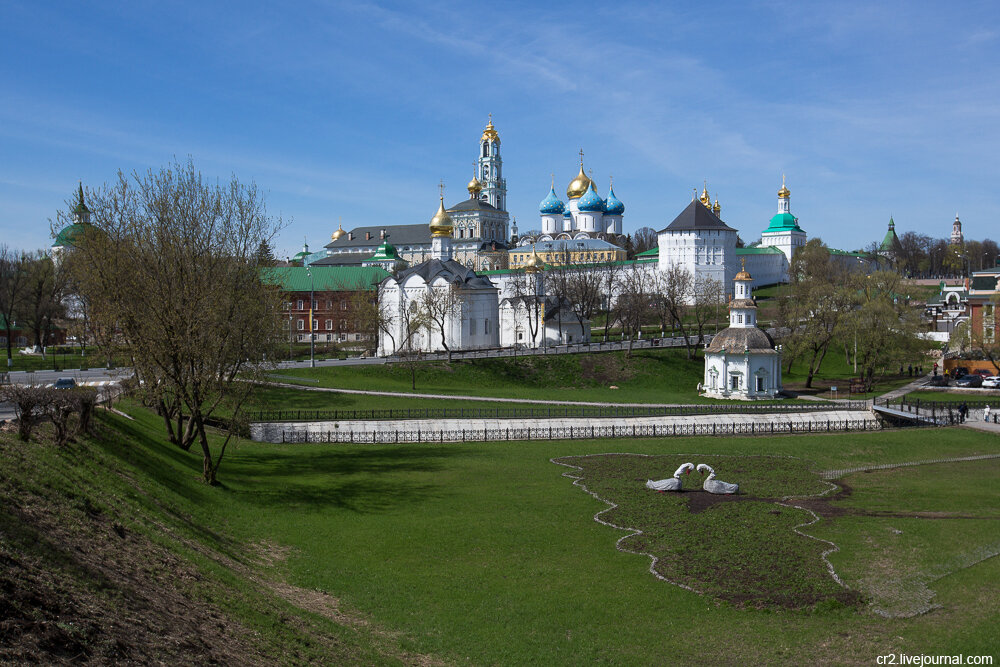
(743, 263)
(441, 188)
(581, 157)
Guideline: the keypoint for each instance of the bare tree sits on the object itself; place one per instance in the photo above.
(675, 289)
(439, 305)
(633, 303)
(13, 282)
(644, 239)
(42, 298)
(707, 300)
(412, 319)
(174, 271)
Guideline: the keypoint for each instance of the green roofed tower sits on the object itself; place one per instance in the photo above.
(891, 247)
(784, 232)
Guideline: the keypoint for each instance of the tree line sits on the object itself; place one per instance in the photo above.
(920, 256)
(32, 294)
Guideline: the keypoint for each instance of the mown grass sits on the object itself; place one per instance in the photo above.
(649, 376)
(905, 530)
(485, 553)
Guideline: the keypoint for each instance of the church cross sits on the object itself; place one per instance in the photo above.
(581, 157)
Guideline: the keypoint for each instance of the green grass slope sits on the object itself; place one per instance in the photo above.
(476, 553)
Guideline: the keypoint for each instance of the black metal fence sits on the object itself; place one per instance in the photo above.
(578, 432)
(547, 411)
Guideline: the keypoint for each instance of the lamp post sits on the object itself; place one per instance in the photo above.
(312, 334)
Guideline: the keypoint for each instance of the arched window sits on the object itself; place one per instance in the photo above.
(486, 149)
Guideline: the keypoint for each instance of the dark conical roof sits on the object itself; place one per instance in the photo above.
(696, 217)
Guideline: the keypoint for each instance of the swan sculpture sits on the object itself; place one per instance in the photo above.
(671, 483)
(713, 485)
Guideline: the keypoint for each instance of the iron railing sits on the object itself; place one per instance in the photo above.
(376, 436)
(549, 411)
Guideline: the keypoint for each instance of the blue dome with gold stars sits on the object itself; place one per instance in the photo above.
(590, 201)
(551, 204)
(613, 205)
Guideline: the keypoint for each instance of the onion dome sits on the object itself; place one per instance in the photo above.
(578, 186)
(338, 233)
(534, 264)
(441, 224)
(705, 199)
(490, 133)
(590, 201)
(784, 192)
(551, 205)
(612, 205)
(474, 187)
(716, 209)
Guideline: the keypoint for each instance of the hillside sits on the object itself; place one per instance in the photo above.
(107, 555)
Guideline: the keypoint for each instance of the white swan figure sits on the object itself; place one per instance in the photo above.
(670, 483)
(713, 485)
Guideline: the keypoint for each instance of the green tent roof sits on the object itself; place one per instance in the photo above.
(782, 222)
(324, 278)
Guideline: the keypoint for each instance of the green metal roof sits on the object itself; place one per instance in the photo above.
(325, 278)
(782, 222)
(652, 252)
(757, 250)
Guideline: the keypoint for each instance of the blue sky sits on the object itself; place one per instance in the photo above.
(356, 110)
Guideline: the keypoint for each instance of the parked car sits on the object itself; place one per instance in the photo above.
(64, 383)
(980, 371)
(969, 381)
(960, 371)
(937, 381)
(992, 382)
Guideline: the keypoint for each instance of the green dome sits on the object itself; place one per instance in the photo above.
(70, 235)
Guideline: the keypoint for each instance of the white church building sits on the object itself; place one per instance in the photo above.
(742, 361)
(532, 318)
(440, 294)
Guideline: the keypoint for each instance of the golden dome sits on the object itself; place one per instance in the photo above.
(490, 133)
(337, 234)
(578, 186)
(783, 193)
(474, 187)
(716, 209)
(534, 263)
(705, 199)
(441, 224)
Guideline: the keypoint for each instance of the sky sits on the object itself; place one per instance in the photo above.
(354, 111)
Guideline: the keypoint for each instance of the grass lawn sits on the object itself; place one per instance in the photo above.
(836, 371)
(486, 553)
(288, 398)
(650, 376)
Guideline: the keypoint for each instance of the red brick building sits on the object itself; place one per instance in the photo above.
(330, 293)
